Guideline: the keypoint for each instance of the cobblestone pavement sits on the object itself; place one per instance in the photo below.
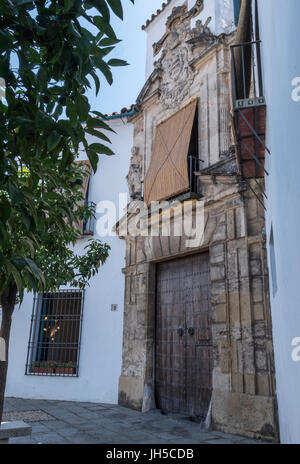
(62, 422)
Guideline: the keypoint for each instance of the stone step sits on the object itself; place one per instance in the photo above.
(13, 429)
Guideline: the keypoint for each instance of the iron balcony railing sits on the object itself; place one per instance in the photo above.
(246, 63)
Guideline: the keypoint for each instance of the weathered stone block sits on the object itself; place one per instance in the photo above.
(165, 246)
(141, 317)
(258, 311)
(255, 267)
(221, 380)
(234, 307)
(255, 227)
(220, 313)
(217, 254)
(220, 233)
(249, 381)
(157, 251)
(257, 290)
(245, 302)
(240, 222)
(225, 356)
(140, 253)
(261, 360)
(248, 357)
(148, 247)
(254, 251)
(216, 212)
(131, 392)
(243, 262)
(142, 268)
(254, 415)
(128, 253)
(252, 210)
(259, 329)
(237, 380)
(175, 244)
(209, 231)
(263, 385)
(218, 292)
(232, 263)
(217, 272)
(222, 219)
(132, 252)
(231, 224)
(219, 332)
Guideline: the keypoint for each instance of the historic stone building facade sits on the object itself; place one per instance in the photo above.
(220, 355)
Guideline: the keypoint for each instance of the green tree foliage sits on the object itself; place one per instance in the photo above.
(51, 53)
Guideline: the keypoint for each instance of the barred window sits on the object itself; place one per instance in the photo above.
(54, 341)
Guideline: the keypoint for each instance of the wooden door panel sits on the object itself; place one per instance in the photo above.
(183, 336)
(169, 346)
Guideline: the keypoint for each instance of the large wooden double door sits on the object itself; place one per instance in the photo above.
(183, 374)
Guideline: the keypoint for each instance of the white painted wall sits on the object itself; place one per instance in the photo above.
(280, 34)
(221, 12)
(101, 343)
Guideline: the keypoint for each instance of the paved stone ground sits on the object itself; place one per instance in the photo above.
(90, 423)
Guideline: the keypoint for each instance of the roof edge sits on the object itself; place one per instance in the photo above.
(124, 113)
(155, 15)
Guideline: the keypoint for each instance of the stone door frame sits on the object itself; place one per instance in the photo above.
(243, 393)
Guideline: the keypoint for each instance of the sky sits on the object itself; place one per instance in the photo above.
(129, 80)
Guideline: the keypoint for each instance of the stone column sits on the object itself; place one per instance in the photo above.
(223, 84)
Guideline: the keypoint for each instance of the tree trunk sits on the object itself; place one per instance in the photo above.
(243, 34)
(8, 301)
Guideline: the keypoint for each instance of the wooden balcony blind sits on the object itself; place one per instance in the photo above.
(167, 174)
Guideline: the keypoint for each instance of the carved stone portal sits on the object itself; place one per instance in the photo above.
(134, 177)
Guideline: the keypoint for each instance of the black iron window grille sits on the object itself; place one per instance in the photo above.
(55, 334)
(194, 161)
(194, 166)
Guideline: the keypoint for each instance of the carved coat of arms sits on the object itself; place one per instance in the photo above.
(177, 77)
(174, 66)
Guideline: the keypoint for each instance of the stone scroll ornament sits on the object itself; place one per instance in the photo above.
(176, 53)
(180, 16)
(134, 177)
